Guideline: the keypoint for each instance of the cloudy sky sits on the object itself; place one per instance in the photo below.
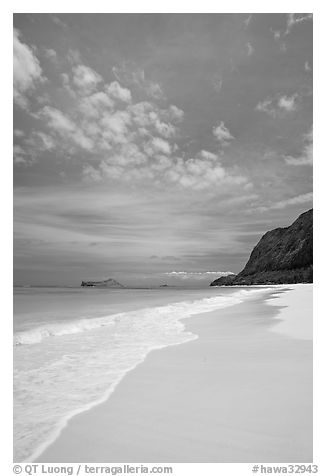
(156, 148)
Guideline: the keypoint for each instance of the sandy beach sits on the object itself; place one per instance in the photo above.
(240, 392)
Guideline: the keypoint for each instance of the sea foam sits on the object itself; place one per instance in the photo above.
(65, 368)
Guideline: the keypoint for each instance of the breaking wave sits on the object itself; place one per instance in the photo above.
(65, 368)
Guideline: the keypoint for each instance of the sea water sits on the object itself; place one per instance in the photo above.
(73, 346)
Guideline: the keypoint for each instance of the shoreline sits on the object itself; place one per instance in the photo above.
(64, 422)
(55, 451)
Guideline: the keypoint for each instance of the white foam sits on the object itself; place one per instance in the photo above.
(66, 368)
(182, 309)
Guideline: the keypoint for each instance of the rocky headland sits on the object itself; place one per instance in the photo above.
(282, 256)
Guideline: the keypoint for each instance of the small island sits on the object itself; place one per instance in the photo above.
(106, 283)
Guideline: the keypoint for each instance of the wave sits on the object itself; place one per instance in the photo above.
(71, 374)
(180, 310)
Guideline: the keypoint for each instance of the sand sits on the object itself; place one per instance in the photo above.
(241, 392)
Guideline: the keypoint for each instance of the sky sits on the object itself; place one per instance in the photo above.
(156, 148)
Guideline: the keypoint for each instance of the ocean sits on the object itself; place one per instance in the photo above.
(72, 346)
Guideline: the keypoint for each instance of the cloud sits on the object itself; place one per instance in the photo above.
(58, 21)
(20, 155)
(85, 78)
(19, 133)
(118, 92)
(298, 200)
(61, 124)
(250, 49)
(170, 258)
(288, 103)
(115, 127)
(50, 54)
(57, 120)
(94, 105)
(38, 142)
(130, 75)
(27, 72)
(32, 146)
(47, 142)
(278, 105)
(127, 141)
(197, 275)
(306, 158)
(154, 90)
(266, 106)
(90, 174)
(293, 20)
(247, 21)
(165, 258)
(307, 66)
(158, 146)
(150, 164)
(217, 82)
(208, 155)
(176, 113)
(276, 34)
(154, 120)
(222, 134)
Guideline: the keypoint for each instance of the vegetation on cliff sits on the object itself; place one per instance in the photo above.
(282, 256)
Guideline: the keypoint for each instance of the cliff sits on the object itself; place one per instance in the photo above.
(106, 283)
(282, 256)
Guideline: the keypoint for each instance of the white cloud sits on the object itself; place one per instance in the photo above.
(158, 146)
(43, 141)
(116, 91)
(128, 141)
(166, 130)
(247, 21)
(85, 78)
(92, 106)
(293, 20)
(208, 155)
(217, 82)
(90, 174)
(306, 158)
(298, 200)
(266, 106)
(57, 120)
(32, 147)
(276, 34)
(288, 103)
(307, 66)
(129, 74)
(176, 113)
(27, 72)
(115, 127)
(19, 155)
(200, 174)
(50, 53)
(155, 90)
(222, 134)
(19, 133)
(197, 274)
(66, 127)
(235, 201)
(203, 172)
(58, 21)
(278, 105)
(250, 49)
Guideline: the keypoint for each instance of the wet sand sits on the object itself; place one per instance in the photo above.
(241, 392)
